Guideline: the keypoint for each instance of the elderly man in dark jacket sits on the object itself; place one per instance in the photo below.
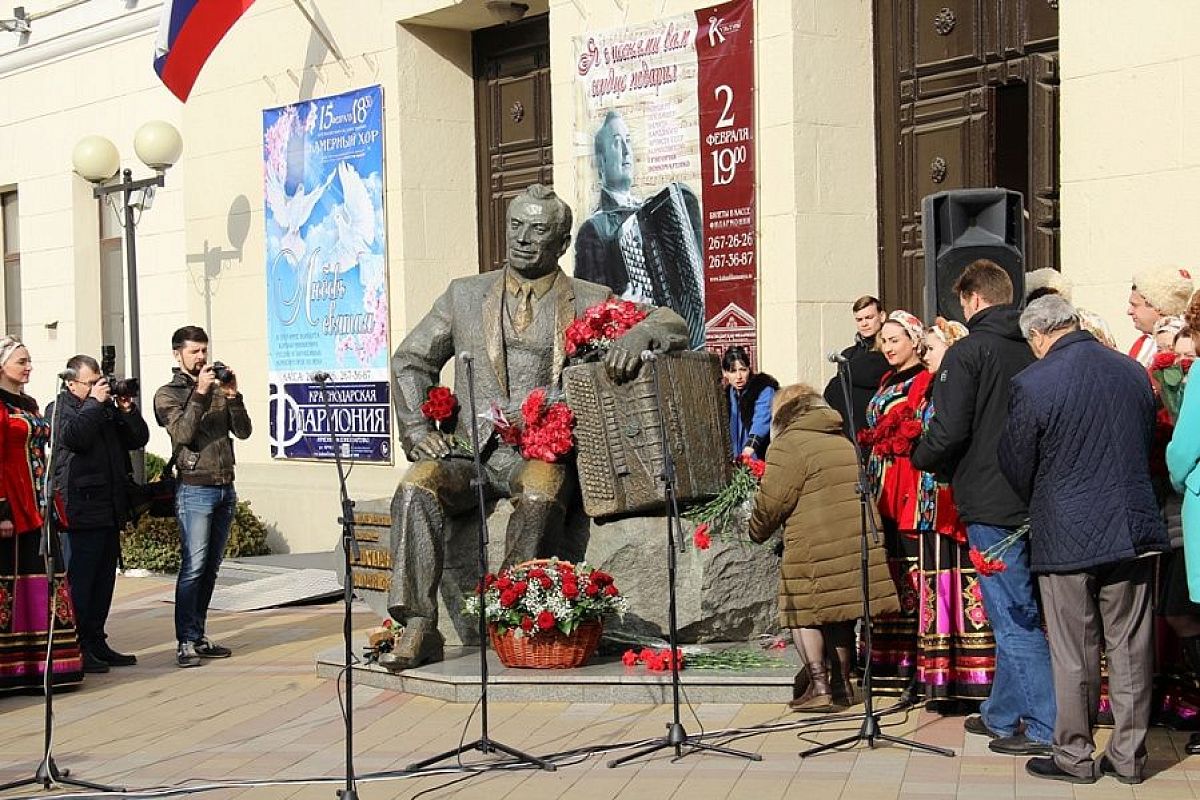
(1077, 446)
(93, 434)
(970, 398)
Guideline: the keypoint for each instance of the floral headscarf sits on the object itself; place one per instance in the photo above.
(911, 324)
(8, 346)
(947, 330)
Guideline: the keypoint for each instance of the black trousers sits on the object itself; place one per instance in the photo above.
(92, 573)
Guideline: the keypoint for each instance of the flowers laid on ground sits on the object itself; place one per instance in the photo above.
(991, 560)
(440, 407)
(720, 516)
(545, 429)
(600, 326)
(894, 434)
(732, 659)
(545, 596)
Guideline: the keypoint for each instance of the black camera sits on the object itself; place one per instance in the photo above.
(120, 387)
(221, 372)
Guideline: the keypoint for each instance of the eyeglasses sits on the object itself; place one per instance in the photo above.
(88, 384)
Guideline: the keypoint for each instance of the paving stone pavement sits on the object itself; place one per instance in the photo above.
(265, 715)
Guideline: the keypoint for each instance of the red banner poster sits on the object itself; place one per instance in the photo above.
(725, 55)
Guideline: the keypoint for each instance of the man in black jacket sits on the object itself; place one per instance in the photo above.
(867, 365)
(1076, 446)
(970, 400)
(94, 432)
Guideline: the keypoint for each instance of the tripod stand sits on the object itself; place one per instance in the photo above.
(677, 738)
(47, 773)
(349, 552)
(484, 744)
(869, 732)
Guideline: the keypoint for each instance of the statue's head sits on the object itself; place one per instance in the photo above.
(614, 153)
(539, 230)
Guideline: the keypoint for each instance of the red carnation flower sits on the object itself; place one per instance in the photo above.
(602, 578)
(984, 565)
(757, 466)
(545, 582)
(592, 590)
(507, 598)
(439, 404)
(526, 623)
(629, 659)
(1164, 360)
(545, 621)
(611, 591)
(700, 538)
(519, 587)
(570, 590)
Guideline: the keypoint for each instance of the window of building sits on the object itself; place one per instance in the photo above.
(9, 216)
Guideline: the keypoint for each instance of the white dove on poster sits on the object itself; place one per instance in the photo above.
(291, 213)
(355, 219)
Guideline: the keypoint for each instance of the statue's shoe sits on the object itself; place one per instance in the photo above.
(418, 644)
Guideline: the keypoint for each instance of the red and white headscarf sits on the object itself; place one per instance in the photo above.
(912, 326)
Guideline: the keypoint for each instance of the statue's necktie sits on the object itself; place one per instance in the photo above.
(524, 315)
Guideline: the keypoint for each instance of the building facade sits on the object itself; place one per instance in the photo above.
(830, 132)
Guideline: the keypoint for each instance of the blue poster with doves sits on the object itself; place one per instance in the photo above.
(326, 270)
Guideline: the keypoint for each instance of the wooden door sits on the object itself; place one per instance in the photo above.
(967, 97)
(512, 122)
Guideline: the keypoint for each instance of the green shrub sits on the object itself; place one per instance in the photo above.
(154, 466)
(153, 543)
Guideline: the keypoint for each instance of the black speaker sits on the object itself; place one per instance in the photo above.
(961, 226)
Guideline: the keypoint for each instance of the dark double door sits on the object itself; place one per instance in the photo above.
(967, 96)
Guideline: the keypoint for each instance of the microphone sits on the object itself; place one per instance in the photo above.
(68, 374)
(320, 377)
(836, 358)
(649, 355)
(466, 356)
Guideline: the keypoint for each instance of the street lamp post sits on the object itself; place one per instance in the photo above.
(96, 159)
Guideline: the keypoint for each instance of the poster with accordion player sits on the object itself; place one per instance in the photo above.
(664, 167)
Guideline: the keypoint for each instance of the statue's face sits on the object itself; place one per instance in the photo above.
(534, 239)
(616, 156)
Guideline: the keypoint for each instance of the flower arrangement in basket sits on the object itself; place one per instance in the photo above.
(440, 407)
(546, 614)
(991, 560)
(545, 430)
(721, 515)
(894, 435)
(592, 334)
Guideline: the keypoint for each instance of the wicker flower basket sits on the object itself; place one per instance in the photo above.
(552, 650)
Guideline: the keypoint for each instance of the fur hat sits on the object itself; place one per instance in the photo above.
(1166, 289)
(1048, 278)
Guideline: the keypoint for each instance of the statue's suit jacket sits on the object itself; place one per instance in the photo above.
(469, 317)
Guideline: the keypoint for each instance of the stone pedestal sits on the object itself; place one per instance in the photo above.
(727, 593)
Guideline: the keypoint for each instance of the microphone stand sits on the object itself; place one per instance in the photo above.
(677, 738)
(484, 744)
(350, 553)
(47, 773)
(869, 732)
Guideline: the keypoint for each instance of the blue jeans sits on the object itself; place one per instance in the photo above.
(205, 514)
(1023, 685)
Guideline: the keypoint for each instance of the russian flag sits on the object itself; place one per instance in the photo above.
(187, 33)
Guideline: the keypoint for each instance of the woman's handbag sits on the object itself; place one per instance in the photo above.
(156, 497)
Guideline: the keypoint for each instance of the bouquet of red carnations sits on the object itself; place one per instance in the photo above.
(600, 326)
(719, 516)
(894, 434)
(545, 431)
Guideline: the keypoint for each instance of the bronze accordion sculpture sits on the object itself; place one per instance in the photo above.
(660, 246)
(617, 435)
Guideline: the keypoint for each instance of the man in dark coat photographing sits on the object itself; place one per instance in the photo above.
(94, 432)
(1076, 446)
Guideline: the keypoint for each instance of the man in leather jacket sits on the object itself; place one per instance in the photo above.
(200, 413)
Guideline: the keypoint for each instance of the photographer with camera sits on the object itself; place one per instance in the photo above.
(98, 423)
(200, 408)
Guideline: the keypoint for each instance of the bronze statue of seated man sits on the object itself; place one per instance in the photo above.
(513, 320)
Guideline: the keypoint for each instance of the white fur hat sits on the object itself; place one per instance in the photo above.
(1048, 278)
(1167, 289)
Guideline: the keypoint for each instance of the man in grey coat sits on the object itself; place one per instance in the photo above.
(512, 320)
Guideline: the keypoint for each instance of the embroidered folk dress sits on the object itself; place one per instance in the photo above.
(24, 608)
(940, 646)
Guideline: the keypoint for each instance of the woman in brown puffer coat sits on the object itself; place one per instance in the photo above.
(809, 491)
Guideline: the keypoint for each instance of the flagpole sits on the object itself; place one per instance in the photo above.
(324, 38)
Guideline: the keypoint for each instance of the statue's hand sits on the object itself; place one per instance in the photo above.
(625, 356)
(432, 447)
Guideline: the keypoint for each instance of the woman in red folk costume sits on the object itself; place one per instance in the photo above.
(956, 648)
(24, 609)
